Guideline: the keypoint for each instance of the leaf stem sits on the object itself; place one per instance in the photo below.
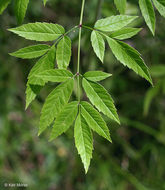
(79, 49)
(71, 30)
(66, 33)
(87, 27)
(90, 28)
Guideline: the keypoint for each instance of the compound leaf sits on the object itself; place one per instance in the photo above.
(129, 57)
(96, 75)
(94, 120)
(100, 98)
(3, 5)
(125, 33)
(98, 44)
(160, 6)
(63, 53)
(113, 23)
(83, 141)
(31, 51)
(55, 103)
(64, 119)
(53, 75)
(20, 9)
(121, 5)
(39, 31)
(148, 14)
(44, 63)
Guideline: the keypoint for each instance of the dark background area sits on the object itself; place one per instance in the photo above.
(136, 158)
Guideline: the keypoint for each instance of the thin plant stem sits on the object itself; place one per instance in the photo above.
(71, 30)
(87, 27)
(66, 33)
(79, 49)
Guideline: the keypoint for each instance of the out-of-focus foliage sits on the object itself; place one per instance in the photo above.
(135, 159)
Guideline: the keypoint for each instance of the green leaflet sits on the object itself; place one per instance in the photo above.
(53, 75)
(55, 103)
(121, 5)
(31, 51)
(125, 33)
(31, 93)
(63, 53)
(39, 31)
(83, 140)
(100, 99)
(129, 57)
(148, 14)
(20, 9)
(114, 22)
(45, 1)
(3, 5)
(44, 63)
(94, 120)
(64, 120)
(160, 6)
(98, 44)
(96, 75)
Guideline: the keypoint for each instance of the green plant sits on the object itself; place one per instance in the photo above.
(56, 107)
(147, 10)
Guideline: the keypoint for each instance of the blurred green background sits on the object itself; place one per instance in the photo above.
(135, 160)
